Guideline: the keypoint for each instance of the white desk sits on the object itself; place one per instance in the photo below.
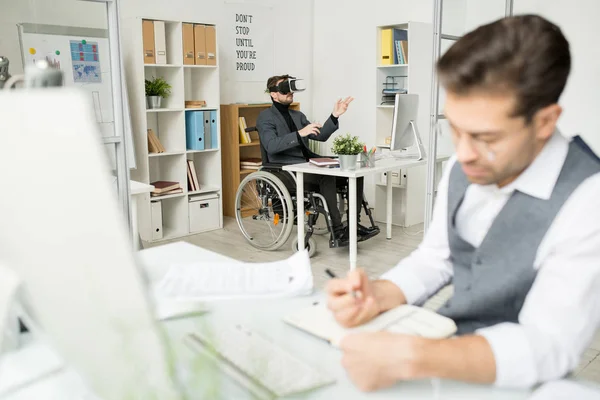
(263, 316)
(137, 189)
(383, 165)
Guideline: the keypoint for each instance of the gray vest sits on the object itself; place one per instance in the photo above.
(491, 281)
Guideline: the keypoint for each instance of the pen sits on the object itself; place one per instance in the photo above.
(334, 276)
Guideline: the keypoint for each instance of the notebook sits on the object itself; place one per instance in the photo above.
(318, 320)
(323, 162)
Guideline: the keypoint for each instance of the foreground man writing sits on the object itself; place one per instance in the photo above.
(516, 228)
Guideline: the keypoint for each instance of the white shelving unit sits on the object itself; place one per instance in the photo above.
(189, 82)
(415, 77)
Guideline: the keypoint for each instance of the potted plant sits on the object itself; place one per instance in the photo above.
(156, 90)
(347, 148)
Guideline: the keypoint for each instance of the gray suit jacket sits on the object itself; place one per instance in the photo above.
(283, 146)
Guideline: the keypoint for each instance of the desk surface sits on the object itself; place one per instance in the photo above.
(265, 316)
(383, 165)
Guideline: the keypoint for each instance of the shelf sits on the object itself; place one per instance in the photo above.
(168, 196)
(201, 108)
(258, 105)
(200, 66)
(202, 151)
(162, 65)
(393, 66)
(206, 189)
(156, 110)
(247, 171)
(249, 144)
(166, 153)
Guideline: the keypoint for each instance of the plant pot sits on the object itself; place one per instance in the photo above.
(348, 161)
(153, 101)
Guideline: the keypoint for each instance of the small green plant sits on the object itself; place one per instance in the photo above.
(347, 145)
(158, 87)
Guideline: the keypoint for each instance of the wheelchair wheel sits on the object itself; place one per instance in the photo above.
(264, 210)
(312, 246)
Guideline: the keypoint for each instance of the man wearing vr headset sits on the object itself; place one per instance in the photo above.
(284, 133)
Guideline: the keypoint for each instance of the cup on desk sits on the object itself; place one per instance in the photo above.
(367, 160)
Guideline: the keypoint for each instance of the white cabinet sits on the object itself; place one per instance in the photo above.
(193, 85)
(415, 77)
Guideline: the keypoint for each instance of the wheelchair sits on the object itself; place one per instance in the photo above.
(266, 211)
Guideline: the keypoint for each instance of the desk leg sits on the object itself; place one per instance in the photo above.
(300, 208)
(352, 221)
(388, 206)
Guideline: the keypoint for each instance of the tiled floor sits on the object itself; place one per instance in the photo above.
(376, 255)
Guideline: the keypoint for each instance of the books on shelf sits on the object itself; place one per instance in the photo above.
(174, 191)
(154, 144)
(250, 164)
(163, 188)
(324, 161)
(195, 103)
(394, 46)
(400, 46)
(244, 136)
(193, 184)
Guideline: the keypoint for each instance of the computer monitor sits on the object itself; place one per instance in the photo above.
(64, 235)
(404, 127)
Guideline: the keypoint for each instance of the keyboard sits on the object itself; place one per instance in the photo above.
(263, 367)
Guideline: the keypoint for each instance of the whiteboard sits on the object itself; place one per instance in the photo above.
(83, 55)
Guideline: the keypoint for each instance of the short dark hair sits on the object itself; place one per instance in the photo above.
(272, 81)
(526, 55)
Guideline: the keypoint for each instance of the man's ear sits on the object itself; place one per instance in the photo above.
(545, 120)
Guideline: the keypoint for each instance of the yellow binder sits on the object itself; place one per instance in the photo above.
(387, 46)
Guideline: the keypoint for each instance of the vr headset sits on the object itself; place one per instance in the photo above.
(289, 85)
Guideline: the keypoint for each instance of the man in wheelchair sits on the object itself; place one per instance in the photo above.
(284, 135)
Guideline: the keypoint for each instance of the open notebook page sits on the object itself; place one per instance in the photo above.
(319, 321)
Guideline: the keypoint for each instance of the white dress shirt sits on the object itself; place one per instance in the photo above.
(562, 310)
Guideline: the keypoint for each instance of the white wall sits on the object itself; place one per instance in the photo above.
(345, 60)
(345, 55)
(579, 24)
(292, 25)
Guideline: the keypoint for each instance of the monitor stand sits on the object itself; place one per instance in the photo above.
(420, 155)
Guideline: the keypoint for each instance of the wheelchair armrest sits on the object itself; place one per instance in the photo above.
(272, 166)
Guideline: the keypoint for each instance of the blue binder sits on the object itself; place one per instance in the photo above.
(194, 130)
(207, 136)
(214, 133)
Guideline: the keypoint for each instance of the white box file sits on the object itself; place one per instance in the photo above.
(204, 212)
(156, 220)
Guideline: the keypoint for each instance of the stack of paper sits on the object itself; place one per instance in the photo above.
(208, 281)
